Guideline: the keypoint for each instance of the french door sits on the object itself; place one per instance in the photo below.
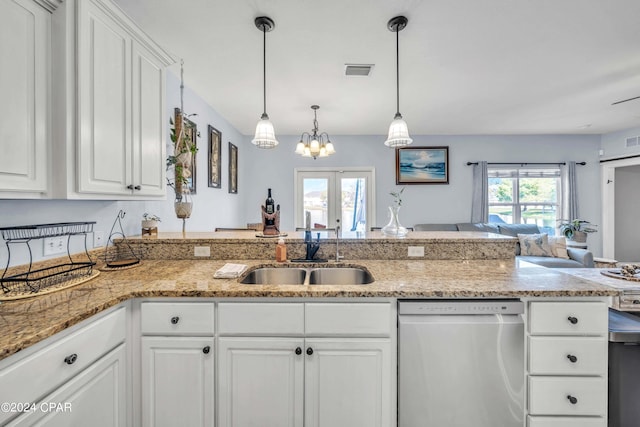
(345, 194)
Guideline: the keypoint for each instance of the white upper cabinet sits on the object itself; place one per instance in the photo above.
(121, 106)
(25, 47)
(109, 107)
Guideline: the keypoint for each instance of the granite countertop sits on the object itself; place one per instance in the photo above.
(26, 322)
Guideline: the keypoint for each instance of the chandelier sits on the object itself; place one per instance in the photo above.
(314, 145)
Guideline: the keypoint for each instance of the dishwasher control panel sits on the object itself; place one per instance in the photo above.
(432, 307)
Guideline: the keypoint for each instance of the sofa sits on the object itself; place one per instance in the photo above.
(578, 258)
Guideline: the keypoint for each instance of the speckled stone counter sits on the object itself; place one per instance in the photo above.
(373, 245)
(26, 322)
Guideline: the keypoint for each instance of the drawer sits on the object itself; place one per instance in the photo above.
(283, 319)
(352, 319)
(568, 318)
(550, 396)
(32, 377)
(567, 355)
(566, 422)
(180, 318)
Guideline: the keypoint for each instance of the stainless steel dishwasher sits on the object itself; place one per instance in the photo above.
(461, 363)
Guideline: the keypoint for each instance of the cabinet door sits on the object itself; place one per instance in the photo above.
(104, 88)
(261, 382)
(96, 397)
(177, 381)
(24, 112)
(148, 91)
(348, 383)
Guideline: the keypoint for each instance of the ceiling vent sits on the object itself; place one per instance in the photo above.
(363, 70)
(632, 142)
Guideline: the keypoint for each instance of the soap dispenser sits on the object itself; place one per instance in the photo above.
(281, 251)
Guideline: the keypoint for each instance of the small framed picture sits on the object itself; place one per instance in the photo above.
(233, 169)
(422, 165)
(215, 156)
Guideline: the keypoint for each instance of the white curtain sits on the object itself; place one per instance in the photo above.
(480, 198)
(568, 208)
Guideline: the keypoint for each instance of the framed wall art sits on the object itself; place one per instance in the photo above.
(233, 169)
(422, 165)
(215, 157)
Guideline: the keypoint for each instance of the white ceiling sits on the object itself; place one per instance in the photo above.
(466, 66)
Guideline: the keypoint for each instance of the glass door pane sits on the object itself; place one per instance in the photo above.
(353, 202)
(315, 193)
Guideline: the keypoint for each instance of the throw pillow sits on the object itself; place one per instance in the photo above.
(534, 245)
(558, 246)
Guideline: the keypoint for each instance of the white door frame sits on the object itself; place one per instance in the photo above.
(371, 197)
(608, 175)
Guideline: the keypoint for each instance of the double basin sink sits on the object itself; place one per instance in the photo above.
(310, 276)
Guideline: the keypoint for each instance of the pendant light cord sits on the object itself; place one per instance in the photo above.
(397, 71)
(264, 69)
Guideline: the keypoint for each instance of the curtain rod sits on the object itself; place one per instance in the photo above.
(526, 163)
(620, 158)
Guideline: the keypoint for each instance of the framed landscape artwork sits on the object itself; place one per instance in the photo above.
(233, 169)
(215, 156)
(422, 165)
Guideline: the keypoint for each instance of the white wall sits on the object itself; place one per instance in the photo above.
(614, 144)
(627, 233)
(421, 203)
(212, 207)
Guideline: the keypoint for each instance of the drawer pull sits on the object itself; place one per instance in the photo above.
(70, 360)
(309, 351)
(572, 358)
(175, 320)
(206, 350)
(572, 399)
(572, 319)
(298, 351)
(132, 187)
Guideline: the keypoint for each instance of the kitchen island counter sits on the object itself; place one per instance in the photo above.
(26, 322)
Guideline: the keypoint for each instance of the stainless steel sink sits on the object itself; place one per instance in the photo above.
(275, 276)
(340, 276)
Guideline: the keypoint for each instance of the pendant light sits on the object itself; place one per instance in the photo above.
(398, 131)
(265, 134)
(315, 145)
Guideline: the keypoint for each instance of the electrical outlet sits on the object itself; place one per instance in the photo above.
(98, 239)
(415, 251)
(204, 251)
(55, 245)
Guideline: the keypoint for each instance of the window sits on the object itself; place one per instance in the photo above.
(329, 194)
(524, 196)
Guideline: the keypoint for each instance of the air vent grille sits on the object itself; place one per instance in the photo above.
(633, 141)
(362, 70)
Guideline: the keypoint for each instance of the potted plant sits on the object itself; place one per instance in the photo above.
(150, 220)
(576, 229)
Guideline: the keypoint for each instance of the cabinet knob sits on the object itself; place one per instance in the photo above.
(298, 351)
(175, 320)
(131, 187)
(70, 360)
(309, 351)
(572, 399)
(206, 350)
(572, 358)
(572, 319)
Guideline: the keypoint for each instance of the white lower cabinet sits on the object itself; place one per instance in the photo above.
(567, 364)
(81, 372)
(260, 382)
(96, 397)
(177, 381)
(347, 383)
(307, 380)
